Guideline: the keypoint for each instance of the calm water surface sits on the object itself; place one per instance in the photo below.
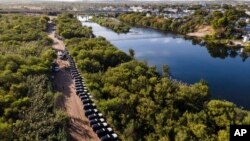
(226, 71)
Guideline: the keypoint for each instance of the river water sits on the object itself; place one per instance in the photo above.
(227, 71)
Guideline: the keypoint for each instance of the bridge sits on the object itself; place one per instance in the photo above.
(138, 38)
(55, 12)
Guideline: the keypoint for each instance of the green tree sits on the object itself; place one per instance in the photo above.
(131, 52)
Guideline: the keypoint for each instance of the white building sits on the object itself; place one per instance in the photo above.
(136, 9)
(148, 15)
(247, 20)
(246, 38)
(248, 13)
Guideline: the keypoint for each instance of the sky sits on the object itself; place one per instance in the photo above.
(100, 0)
(106, 0)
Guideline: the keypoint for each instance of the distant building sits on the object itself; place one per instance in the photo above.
(248, 13)
(108, 8)
(189, 11)
(246, 38)
(172, 10)
(136, 9)
(247, 29)
(247, 20)
(148, 15)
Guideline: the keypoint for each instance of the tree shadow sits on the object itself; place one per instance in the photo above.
(80, 130)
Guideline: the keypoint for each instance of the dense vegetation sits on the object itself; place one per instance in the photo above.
(142, 105)
(159, 22)
(27, 104)
(226, 24)
(67, 27)
(112, 24)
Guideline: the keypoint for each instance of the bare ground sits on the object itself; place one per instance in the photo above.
(202, 31)
(79, 129)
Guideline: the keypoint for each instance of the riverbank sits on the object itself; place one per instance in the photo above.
(202, 31)
(200, 61)
(112, 24)
(191, 26)
(204, 34)
(130, 91)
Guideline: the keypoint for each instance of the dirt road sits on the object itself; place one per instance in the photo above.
(79, 129)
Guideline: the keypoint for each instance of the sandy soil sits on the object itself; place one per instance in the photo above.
(236, 42)
(79, 129)
(202, 31)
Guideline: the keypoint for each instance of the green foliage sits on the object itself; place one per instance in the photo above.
(181, 26)
(131, 52)
(69, 27)
(200, 12)
(5, 131)
(95, 54)
(27, 105)
(142, 105)
(225, 23)
(113, 24)
(247, 47)
(21, 28)
(165, 71)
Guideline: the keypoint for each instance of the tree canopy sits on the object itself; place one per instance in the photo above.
(143, 105)
(27, 103)
(68, 26)
(112, 24)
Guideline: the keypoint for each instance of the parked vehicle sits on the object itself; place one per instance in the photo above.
(56, 69)
(82, 94)
(79, 91)
(98, 126)
(79, 88)
(78, 83)
(95, 115)
(78, 77)
(85, 96)
(73, 70)
(89, 106)
(96, 120)
(90, 111)
(110, 137)
(83, 99)
(104, 131)
(78, 80)
(87, 101)
(75, 74)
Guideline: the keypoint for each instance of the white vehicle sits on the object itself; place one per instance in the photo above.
(61, 54)
(56, 68)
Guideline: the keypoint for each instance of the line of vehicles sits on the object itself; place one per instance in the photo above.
(96, 119)
(60, 55)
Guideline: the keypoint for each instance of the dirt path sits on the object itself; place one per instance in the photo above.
(79, 129)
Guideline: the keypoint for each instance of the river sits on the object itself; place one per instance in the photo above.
(227, 71)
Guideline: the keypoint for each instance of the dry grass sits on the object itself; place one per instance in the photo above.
(202, 31)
